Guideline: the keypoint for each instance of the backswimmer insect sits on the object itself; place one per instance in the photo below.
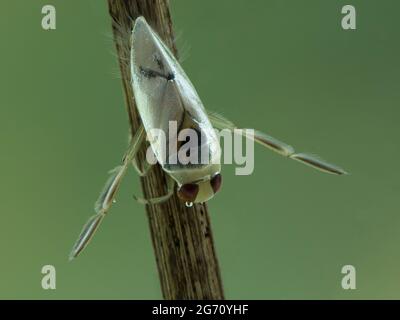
(164, 93)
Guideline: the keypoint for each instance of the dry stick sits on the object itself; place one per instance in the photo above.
(182, 239)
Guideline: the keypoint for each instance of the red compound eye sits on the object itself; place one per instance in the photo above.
(188, 192)
(216, 182)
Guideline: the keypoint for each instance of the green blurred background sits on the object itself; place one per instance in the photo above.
(286, 67)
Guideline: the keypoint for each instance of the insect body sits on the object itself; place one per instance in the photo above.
(165, 95)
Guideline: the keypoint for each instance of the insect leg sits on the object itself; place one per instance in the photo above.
(145, 167)
(157, 200)
(106, 197)
(220, 122)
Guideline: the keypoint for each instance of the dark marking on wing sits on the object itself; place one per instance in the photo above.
(149, 73)
(170, 76)
(159, 62)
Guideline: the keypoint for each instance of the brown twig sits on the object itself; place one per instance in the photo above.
(182, 238)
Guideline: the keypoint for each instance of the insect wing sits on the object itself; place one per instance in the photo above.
(164, 94)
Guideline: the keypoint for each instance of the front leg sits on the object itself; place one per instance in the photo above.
(144, 170)
(161, 199)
